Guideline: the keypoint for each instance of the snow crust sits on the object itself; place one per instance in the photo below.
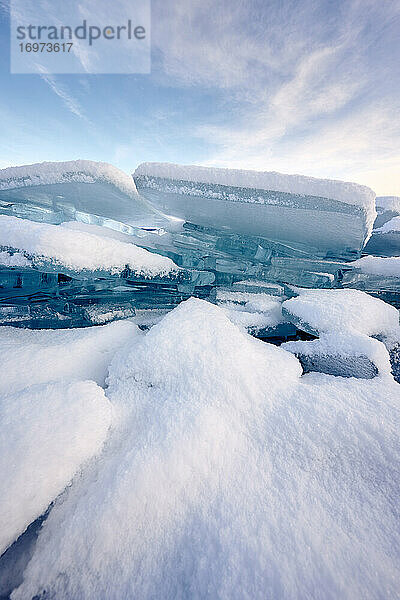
(14, 260)
(376, 265)
(229, 476)
(30, 357)
(47, 432)
(324, 311)
(349, 193)
(78, 171)
(80, 250)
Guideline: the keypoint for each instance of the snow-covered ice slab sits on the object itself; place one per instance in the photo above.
(81, 189)
(37, 357)
(47, 432)
(387, 207)
(343, 355)
(327, 217)
(375, 274)
(385, 240)
(325, 311)
(76, 250)
(229, 476)
(257, 313)
(376, 265)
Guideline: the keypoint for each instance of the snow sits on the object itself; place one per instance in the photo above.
(80, 250)
(389, 226)
(77, 171)
(346, 346)
(47, 432)
(326, 311)
(376, 265)
(30, 357)
(229, 476)
(13, 260)
(388, 203)
(349, 193)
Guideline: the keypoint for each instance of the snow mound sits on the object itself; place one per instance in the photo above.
(229, 476)
(349, 193)
(40, 356)
(376, 265)
(80, 250)
(319, 311)
(47, 433)
(77, 171)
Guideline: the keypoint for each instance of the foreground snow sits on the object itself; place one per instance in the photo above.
(40, 356)
(80, 250)
(47, 432)
(228, 475)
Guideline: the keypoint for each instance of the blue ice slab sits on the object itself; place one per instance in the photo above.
(321, 226)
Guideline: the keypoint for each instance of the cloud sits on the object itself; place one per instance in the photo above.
(60, 90)
(306, 87)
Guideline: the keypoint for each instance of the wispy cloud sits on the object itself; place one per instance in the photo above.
(309, 87)
(60, 90)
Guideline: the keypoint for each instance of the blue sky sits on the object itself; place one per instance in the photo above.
(297, 86)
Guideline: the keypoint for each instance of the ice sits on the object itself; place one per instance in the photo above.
(75, 190)
(229, 476)
(38, 357)
(47, 433)
(325, 311)
(385, 240)
(342, 354)
(326, 217)
(389, 226)
(258, 313)
(387, 208)
(79, 250)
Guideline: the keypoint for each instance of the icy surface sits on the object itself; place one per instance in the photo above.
(229, 477)
(321, 217)
(35, 357)
(79, 250)
(320, 311)
(83, 190)
(47, 432)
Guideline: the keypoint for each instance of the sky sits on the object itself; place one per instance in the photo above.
(296, 86)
